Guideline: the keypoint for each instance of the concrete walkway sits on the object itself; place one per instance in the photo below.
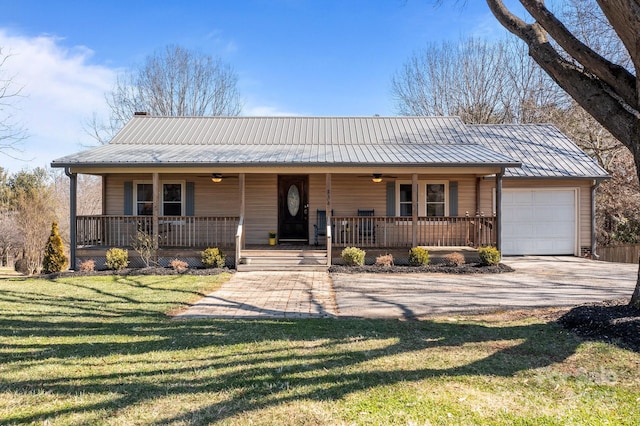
(269, 294)
(537, 282)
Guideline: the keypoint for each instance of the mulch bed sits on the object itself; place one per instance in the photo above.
(470, 268)
(158, 270)
(612, 321)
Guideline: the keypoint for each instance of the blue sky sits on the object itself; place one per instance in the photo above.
(292, 57)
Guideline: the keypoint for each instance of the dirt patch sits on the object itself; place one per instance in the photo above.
(471, 268)
(612, 321)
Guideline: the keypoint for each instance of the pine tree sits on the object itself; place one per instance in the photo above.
(54, 257)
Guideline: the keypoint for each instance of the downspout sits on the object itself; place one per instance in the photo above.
(594, 187)
(73, 205)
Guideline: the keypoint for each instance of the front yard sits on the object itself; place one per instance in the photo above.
(102, 350)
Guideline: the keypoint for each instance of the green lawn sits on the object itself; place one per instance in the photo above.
(102, 350)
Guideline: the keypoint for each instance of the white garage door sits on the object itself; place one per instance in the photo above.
(538, 221)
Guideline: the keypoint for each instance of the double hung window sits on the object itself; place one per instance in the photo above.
(171, 201)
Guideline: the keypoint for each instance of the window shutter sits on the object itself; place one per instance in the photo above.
(391, 199)
(453, 198)
(190, 199)
(128, 198)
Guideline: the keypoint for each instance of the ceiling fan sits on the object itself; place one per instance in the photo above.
(217, 177)
(377, 177)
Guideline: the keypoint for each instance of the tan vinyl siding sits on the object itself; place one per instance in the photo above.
(261, 207)
(584, 199)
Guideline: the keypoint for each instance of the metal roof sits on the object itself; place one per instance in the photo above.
(148, 141)
(543, 150)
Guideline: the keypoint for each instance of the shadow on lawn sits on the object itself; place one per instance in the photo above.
(259, 377)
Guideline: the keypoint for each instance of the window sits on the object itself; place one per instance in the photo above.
(144, 199)
(406, 206)
(435, 199)
(171, 199)
(435, 195)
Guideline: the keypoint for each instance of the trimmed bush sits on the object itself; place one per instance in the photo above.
(489, 256)
(22, 266)
(454, 259)
(418, 256)
(117, 259)
(213, 258)
(385, 260)
(54, 258)
(179, 265)
(88, 266)
(353, 256)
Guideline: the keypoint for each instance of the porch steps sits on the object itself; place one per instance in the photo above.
(283, 260)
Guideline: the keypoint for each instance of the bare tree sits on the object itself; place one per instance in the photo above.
(482, 82)
(171, 82)
(11, 133)
(608, 90)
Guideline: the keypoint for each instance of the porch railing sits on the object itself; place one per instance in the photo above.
(173, 231)
(376, 231)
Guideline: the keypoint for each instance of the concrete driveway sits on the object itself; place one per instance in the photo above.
(537, 282)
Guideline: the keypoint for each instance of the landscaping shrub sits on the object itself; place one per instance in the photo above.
(88, 266)
(143, 243)
(353, 256)
(454, 259)
(385, 260)
(54, 258)
(213, 258)
(418, 256)
(489, 256)
(117, 259)
(179, 265)
(22, 266)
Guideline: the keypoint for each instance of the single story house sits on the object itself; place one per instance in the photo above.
(332, 182)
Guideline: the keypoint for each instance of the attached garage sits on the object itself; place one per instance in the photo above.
(540, 221)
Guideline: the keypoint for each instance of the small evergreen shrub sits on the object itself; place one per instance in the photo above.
(117, 259)
(213, 258)
(88, 266)
(489, 256)
(418, 256)
(54, 258)
(385, 260)
(22, 266)
(179, 265)
(353, 256)
(454, 259)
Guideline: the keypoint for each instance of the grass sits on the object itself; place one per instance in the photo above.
(102, 350)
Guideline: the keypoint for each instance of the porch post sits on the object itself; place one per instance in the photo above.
(156, 209)
(241, 184)
(414, 210)
(73, 206)
(499, 209)
(329, 218)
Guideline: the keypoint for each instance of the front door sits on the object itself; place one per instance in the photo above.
(293, 208)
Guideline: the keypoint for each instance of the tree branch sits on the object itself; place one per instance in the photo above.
(614, 75)
(591, 93)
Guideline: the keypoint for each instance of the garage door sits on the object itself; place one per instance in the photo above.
(538, 222)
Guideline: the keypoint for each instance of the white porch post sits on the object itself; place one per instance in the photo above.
(241, 184)
(73, 211)
(157, 196)
(329, 218)
(414, 210)
(499, 209)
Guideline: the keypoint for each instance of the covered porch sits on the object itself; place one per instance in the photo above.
(263, 204)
